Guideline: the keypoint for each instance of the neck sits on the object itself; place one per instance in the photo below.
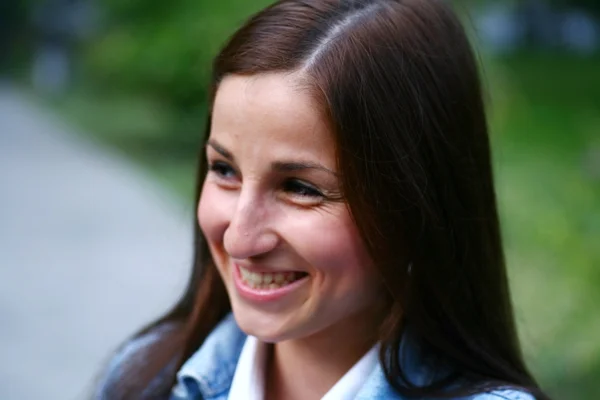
(307, 368)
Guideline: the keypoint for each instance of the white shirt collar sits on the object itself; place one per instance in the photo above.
(349, 385)
(248, 380)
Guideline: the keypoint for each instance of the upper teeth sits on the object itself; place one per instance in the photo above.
(259, 278)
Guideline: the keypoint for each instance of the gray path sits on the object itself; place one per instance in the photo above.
(90, 249)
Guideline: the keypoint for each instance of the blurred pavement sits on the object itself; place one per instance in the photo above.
(90, 250)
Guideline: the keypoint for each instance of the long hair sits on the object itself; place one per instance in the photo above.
(398, 83)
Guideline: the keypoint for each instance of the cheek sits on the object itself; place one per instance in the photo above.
(214, 213)
(337, 251)
(348, 256)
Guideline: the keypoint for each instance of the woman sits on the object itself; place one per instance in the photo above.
(347, 243)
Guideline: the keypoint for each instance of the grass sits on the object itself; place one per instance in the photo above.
(545, 124)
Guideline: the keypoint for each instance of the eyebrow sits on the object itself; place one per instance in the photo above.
(280, 166)
(290, 166)
(220, 149)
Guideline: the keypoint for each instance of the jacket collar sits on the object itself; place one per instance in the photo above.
(209, 372)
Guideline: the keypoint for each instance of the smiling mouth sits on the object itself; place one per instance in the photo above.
(269, 280)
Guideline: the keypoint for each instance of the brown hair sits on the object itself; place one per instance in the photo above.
(398, 82)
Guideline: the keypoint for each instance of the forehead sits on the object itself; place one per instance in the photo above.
(274, 107)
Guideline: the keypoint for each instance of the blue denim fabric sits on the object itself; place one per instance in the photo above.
(208, 373)
(130, 357)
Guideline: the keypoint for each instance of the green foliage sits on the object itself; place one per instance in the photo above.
(163, 49)
(590, 5)
(545, 126)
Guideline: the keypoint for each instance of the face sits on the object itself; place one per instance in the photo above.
(274, 217)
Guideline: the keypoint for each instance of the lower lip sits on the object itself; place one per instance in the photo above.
(264, 295)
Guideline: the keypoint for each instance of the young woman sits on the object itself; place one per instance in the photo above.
(347, 244)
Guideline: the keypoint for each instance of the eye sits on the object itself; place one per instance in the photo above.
(222, 169)
(299, 188)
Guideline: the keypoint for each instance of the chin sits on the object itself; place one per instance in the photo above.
(267, 327)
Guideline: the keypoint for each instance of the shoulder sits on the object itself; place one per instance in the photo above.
(377, 386)
(128, 357)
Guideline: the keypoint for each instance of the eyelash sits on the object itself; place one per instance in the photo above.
(219, 167)
(294, 186)
(301, 189)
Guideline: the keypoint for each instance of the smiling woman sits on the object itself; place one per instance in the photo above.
(347, 243)
(282, 238)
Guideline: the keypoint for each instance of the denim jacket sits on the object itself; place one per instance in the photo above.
(208, 373)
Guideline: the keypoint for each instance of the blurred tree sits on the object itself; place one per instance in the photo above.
(59, 27)
(164, 49)
(13, 23)
(588, 5)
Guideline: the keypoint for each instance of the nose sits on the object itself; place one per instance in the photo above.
(249, 234)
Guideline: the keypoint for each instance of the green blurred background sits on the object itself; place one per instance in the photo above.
(137, 84)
